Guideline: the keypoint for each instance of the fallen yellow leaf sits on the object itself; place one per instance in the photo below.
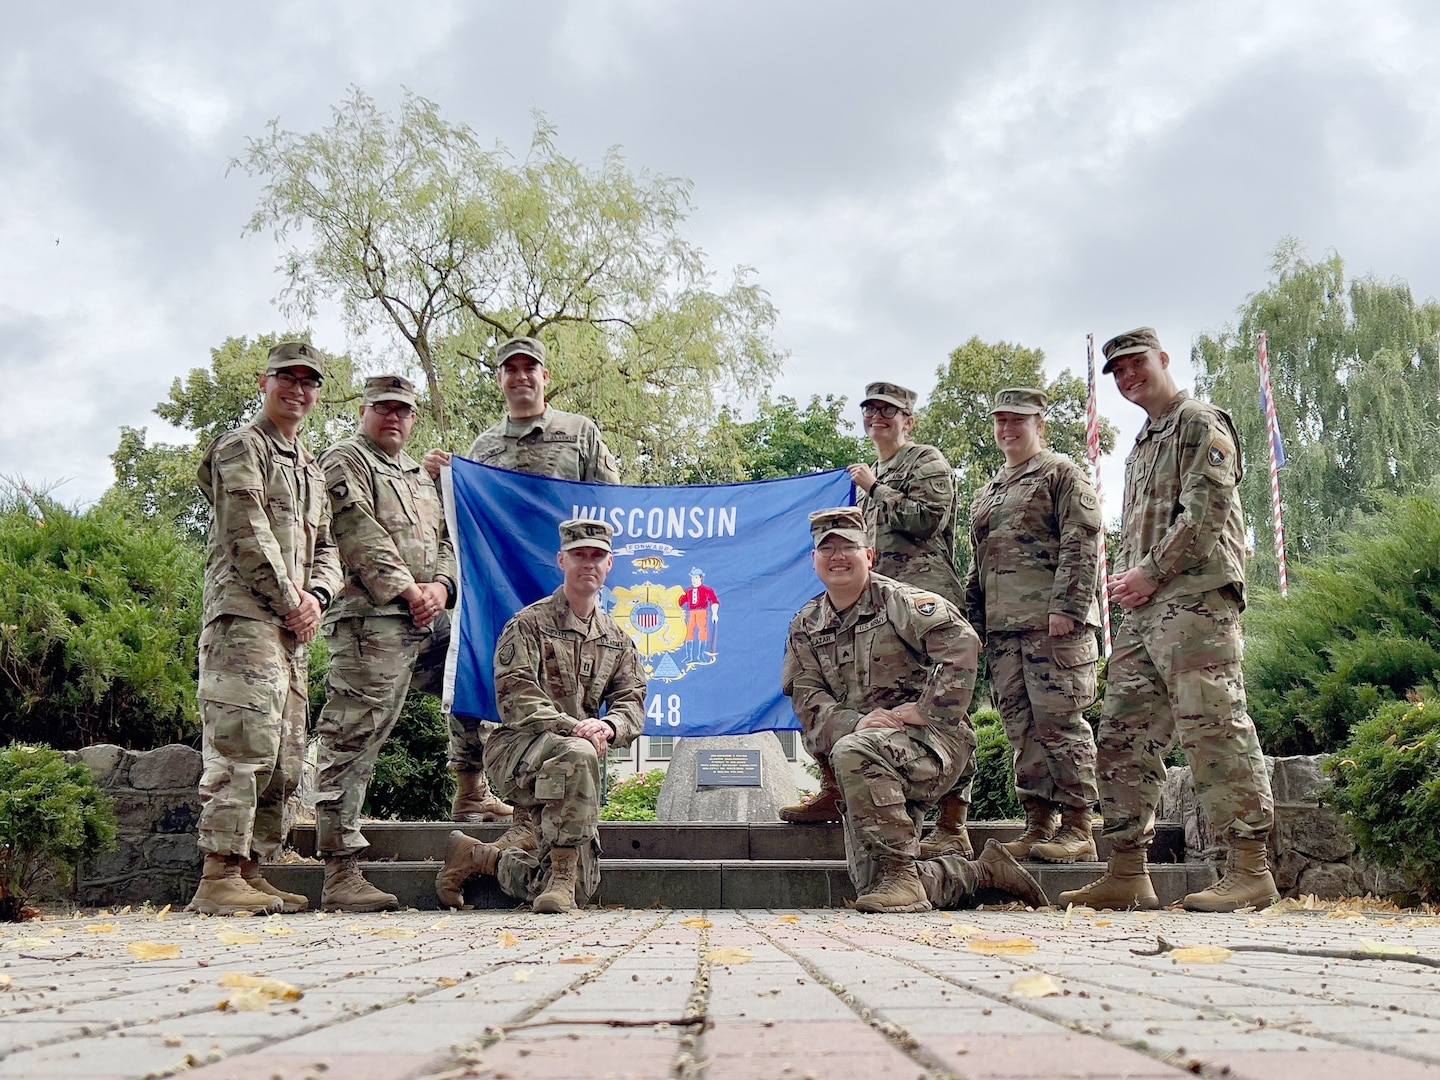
(522, 974)
(103, 928)
(1103, 922)
(697, 924)
(446, 983)
(442, 924)
(396, 932)
(1069, 914)
(731, 956)
(235, 937)
(30, 943)
(788, 919)
(357, 928)
(271, 989)
(1200, 954)
(508, 940)
(1035, 986)
(965, 930)
(1380, 948)
(579, 959)
(5, 982)
(275, 928)
(1002, 946)
(160, 915)
(149, 950)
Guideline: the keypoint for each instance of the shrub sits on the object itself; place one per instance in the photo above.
(411, 782)
(1387, 784)
(994, 796)
(634, 798)
(52, 815)
(99, 619)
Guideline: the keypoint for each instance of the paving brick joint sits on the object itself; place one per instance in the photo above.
(777, 993)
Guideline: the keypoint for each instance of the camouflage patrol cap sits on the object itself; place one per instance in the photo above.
(844, 521)
(1021, 399)
(580, 532)
(521, 346)
(290, 354)
(891, 394)
(1139, 340)
(389, 388)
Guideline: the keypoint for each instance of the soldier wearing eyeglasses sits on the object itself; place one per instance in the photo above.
(387, 627)
(271, 570)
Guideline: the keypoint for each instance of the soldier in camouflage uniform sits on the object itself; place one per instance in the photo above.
(1031, 594)
(570, 685)
(389, 525)
(271, 570)
(881, 675)
(541, 440)
(1175, 667)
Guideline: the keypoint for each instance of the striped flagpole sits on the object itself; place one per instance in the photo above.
(1092, 451)
(1277, 458)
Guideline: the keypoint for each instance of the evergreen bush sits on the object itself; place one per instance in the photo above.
(411, 782)
(52, 815)
(1387, 784)
(634, 798)
(994, 798)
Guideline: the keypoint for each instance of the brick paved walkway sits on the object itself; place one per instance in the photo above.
(823, 994)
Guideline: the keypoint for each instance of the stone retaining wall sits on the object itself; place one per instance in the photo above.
(157, 803)
(1311, 851)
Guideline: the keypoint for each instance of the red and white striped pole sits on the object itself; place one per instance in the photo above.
(1272, 431)
(1092, 451)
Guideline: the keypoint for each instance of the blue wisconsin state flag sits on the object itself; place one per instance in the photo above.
(705, 582)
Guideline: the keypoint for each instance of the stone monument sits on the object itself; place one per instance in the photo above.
(686, 795)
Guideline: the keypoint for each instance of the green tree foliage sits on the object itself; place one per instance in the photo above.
(1361, 628)
(411, 782)
(1353, 365)
(52, 815)
(157, 480)
(957, 416)
(421, 232)
(99, 618)
(782, 440)
(1387, 784)
(634, 798)
(994, 797)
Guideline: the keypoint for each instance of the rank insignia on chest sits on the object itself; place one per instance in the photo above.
(587, 666)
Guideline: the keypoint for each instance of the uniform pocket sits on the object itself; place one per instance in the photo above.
(240, 718)
(887, 793)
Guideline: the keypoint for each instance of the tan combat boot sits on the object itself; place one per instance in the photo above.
(347, 890)
(999, 870)
(949, 837)
(474, 801)
(1247, 881)
(223, 891)
(896, 888)
(290, 902)
(1126, 884)
(1075, 840)
(466, 858)
(564, 862)
(1042, 819)
(824, 805)
(524, 833)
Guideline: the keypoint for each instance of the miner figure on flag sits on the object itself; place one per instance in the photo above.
(703, 614)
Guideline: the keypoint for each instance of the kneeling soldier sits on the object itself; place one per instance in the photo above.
(881, 675)
(559, 664)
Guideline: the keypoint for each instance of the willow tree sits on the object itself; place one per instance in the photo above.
(957, 416)
(450, 247)
(1357, 395)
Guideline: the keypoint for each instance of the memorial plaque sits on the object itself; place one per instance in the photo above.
(728, 768)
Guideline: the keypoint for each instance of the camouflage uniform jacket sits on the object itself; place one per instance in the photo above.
(389, 523)
(270, 526)
(1035, 530)
(895, 644)
(911, 516)
(553, 670)
(561, 445)
(1183, 525)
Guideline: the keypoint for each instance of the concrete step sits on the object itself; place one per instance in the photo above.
(640, 840)
(707, 883)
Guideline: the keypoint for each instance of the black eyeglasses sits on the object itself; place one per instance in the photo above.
(886, 410)
(289, 381)
(397, 409)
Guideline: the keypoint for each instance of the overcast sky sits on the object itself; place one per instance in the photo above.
(900, 176)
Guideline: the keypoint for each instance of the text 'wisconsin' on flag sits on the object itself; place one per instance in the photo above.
(706, 580)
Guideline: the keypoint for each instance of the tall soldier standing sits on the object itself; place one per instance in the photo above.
(541, 440)
(400, 578)
(271, 570)
(1175, 667)
(1031, 595)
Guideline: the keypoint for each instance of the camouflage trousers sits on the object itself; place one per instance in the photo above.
(555, 779)
(1175, 672)
(372, 663)
(254, 683)
(468, 736)
(889, 778)
(949, 881)
(1043, 685)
